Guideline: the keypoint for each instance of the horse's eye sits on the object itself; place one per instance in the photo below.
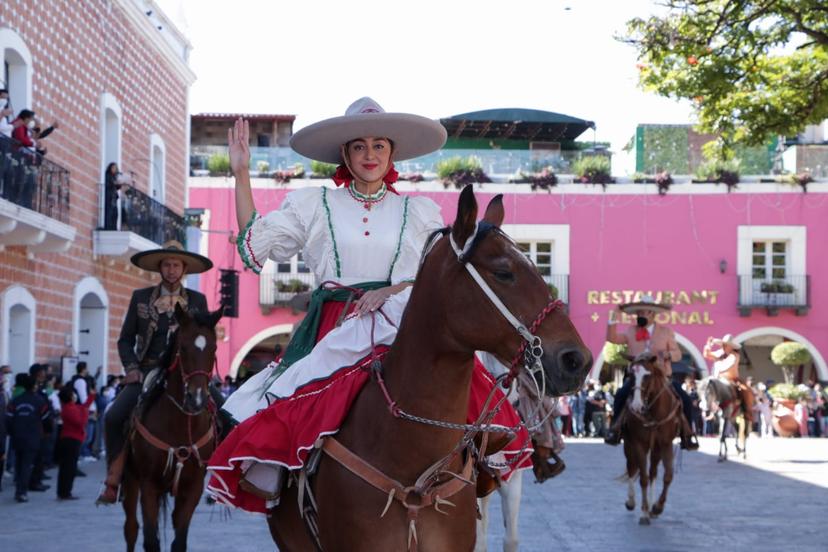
(504, 275)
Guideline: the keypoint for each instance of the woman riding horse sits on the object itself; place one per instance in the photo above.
(363, 241)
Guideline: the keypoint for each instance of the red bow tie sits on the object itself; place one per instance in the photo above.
(642, 334)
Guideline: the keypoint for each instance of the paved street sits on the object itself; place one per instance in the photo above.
(775, 501)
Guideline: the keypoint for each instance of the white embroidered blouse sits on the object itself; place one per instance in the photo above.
(340, 239)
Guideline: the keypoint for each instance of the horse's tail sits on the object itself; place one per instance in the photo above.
(625, 477)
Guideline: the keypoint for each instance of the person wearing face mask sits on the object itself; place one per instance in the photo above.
(648, 335)
(22, 133)
(6, 126)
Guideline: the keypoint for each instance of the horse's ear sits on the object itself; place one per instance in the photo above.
(495, 212)
(181, 315)
(466, 220)
(214, 317)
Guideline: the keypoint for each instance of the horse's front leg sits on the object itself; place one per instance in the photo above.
(722, 439)
(644, 481)
(131, 491)
(632, 469)
(655, 458)
(150, 504)
(481, 544)
(510, 499)
(667, 459)
(185, 504)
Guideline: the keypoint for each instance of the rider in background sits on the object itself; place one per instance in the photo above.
(726, 367)
(145, 336)
(648, 335)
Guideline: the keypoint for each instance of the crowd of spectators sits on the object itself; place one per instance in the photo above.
(588, 413)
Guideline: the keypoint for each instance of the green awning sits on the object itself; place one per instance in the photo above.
(516, 124)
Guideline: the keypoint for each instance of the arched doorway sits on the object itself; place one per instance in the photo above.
(17, 328)
(91, 325)
(17, 62)
(259, 350)
(756, 348)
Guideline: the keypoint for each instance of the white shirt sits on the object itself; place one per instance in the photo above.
(342, 241)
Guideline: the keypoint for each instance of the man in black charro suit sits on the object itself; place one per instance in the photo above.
(149, 324)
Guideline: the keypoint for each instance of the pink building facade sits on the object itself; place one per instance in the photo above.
(748, 263)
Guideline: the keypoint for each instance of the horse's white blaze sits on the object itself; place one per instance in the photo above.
(200, 342)
(640, 372)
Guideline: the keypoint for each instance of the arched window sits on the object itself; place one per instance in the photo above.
(17, 328)
(157, 168)
(110, 132)
(16, 70)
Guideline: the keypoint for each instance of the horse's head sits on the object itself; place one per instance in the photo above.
(647, 370)
(196, 344)
(475, 267)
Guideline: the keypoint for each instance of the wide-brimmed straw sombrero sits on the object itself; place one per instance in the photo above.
(150, 260)
(412, 135)
(727, 340)
(645, 303)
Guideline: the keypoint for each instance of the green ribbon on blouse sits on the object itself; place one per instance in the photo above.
(304, 338)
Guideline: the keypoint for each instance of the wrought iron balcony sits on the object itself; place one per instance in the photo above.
(34, 200)
(30, 180)
(772, 294)
(561, 284)
(276, 289)
(127, 209)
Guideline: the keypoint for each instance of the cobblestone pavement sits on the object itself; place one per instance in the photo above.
(776, 500)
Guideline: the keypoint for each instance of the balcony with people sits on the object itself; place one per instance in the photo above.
(34, 198)
(132, 220)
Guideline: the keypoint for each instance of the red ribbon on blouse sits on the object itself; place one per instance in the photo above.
(344, 177)
(642, 334)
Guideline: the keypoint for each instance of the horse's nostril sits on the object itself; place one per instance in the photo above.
(572, 360)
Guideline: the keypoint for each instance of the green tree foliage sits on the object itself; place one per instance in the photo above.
(790, 353)
(613, 354)
(754, 68)
(323, 170)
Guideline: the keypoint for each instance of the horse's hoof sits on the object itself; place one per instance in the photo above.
(629, 506)
(644, 521)
(721, 459)
(655, 511)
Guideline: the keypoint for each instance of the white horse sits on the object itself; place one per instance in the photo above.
(510, 493)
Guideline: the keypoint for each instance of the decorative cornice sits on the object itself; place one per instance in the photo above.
(143, 24)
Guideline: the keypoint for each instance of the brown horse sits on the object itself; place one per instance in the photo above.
(652, 422)
(428, 372)
(171, 441)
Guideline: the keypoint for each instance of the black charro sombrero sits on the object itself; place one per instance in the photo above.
(151, 259)
(645, 303)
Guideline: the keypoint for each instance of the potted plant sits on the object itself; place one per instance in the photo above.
(719, 171)
(785, 396)
(593, 169)
(553, 291)
(219, 164)
(777, 286)
(663, 180)
(789, 355)
(263, 167)
(461, 171)
(412, 177)
(322, 170)
(802, 180)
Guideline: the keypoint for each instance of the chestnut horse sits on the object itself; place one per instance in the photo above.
(173, 437)
(652, 422)
(427, 371)
(730, 413)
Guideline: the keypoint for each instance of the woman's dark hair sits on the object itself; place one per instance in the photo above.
(26, 114)
(66, 394)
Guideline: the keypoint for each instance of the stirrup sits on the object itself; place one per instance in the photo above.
(264, 481)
